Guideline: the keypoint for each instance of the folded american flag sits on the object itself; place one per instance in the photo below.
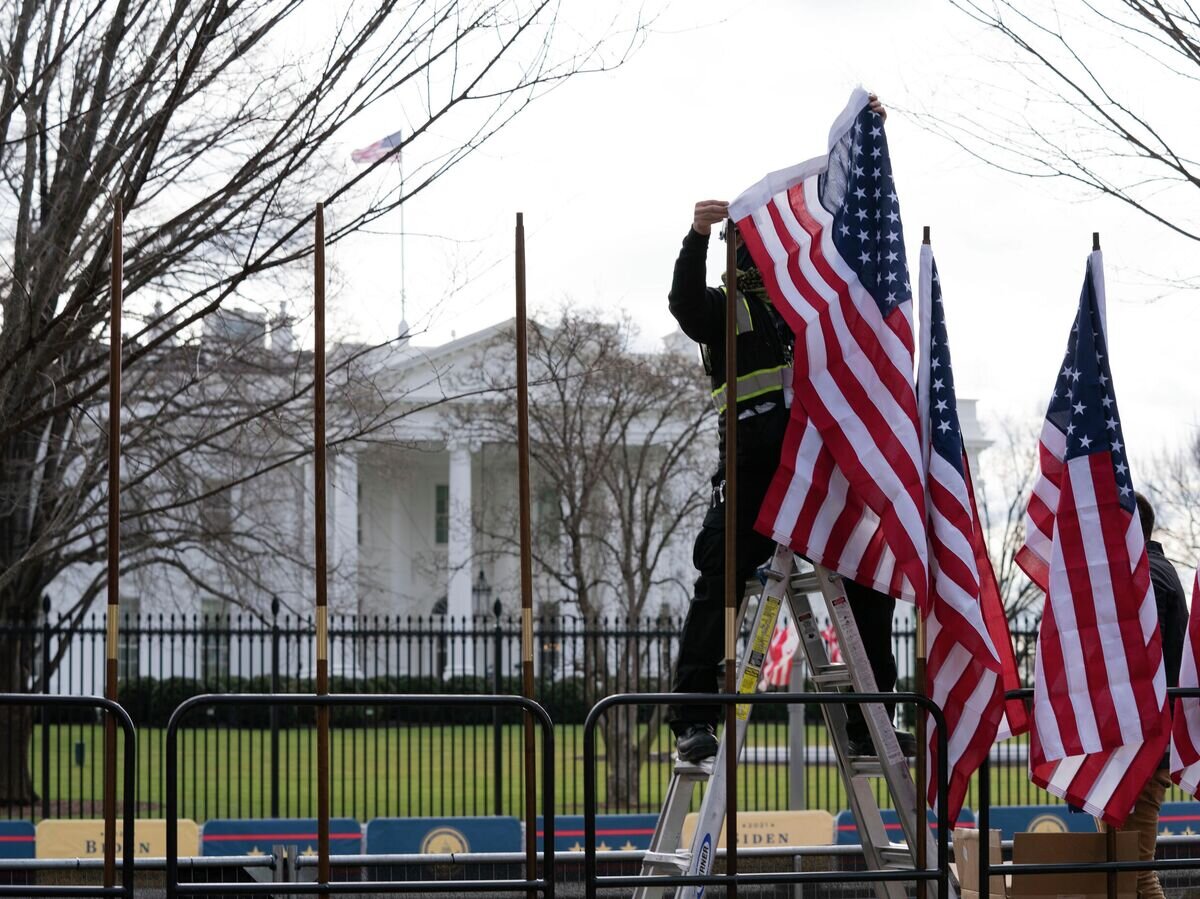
(378, 150)
(1100, 717)
(1185, 729)
(826, 236)
(970, 659)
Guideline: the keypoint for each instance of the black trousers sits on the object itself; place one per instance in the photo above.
(702, 642)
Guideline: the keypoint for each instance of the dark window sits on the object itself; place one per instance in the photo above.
(441, 514)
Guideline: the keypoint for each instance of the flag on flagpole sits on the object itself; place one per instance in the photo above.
(1100, 715)
(832, 649)
(377, 150)
(826, 236)
(781, 652)
(967, 662)
(1185, 729)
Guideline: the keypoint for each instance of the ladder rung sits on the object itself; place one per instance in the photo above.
(693, 770)
(675, 860)
(865, 766)
(833, 678)
(896, 855)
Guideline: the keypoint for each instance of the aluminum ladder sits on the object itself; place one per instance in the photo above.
(785, 582)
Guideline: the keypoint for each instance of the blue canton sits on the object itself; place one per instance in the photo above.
(945, 436)
(1084, 405)
(859, 191)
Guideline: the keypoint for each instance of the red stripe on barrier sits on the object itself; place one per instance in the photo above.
(250, 837)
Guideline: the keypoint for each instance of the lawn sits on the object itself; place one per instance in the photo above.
(408, 771)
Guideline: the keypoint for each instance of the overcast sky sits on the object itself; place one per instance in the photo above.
(607, 168)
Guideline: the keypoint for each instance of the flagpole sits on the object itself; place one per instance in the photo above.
(322, 549)
(1110, 832)
(922, 743)
(526, 554)
(731, 585)
(113, 558)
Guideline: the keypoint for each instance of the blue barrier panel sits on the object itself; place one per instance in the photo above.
(1010, 819)
(847, 830)
(254, 836)
(612, 832)
(16, 839)
(1174, 819)
(432, 835)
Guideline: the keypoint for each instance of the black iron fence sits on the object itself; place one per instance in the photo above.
(259, 761)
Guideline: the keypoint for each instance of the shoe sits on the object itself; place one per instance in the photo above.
(865, 746)
(697, 743)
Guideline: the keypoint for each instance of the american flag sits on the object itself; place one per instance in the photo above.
(826, 236)
(829, 635)
(1100, 716)
(1185, 733)
(968, 664)
(378, 150)
(777, 667)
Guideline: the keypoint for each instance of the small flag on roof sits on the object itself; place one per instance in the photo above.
(377, 150)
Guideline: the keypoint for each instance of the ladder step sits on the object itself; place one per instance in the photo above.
(896, 855)
(675, 861)
(694, 770)
(865, 766)
(833, 677)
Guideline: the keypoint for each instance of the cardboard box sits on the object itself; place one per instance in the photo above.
(1049, 848)
(966, 860)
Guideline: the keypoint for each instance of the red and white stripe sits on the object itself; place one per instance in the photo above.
(1185, 729)
(1100, 716)
(968, 661)
(848, 492)
(777, 667)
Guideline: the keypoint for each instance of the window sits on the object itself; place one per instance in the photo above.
(358, 514)
(548, 514)
(214, 640)
(441, 514)
(129, 640)
(216, 510)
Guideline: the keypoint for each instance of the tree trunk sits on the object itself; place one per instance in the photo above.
(16, 722)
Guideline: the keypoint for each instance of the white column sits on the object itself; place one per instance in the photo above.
(459, 552)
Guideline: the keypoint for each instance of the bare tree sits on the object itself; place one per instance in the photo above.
(216, 123)
(1173, 485)
(615, 438)
(1071, 109)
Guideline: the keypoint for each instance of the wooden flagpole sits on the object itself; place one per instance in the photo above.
(113, 557)
(922, 689)
(731, 586)
(322, 550)
(526, 556)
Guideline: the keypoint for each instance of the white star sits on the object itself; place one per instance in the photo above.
(862, 214)
(937, 384)
(935, 363)
(891, 276)
(1079, 407)
(1075, 375)
(1112, 423)
(1070, 430)
(1106, 401)
(876, 173)
(892, 256)
(877, 193)
(1125, 490)
(863, 235)
(1121, 468)
(941, 405)
(875, 132)
(860, 194)
(893, 237)
(865, 257)
(1103, 380)
(893, 216)
(944, 426)
(857, 148)
(1085, 441)
(891, 298)
(845, 229)
(876, 153)
(1117, 445)
(858, 171)
(892, 196)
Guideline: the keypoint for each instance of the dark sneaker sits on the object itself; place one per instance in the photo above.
(865, 746)
(697, 743)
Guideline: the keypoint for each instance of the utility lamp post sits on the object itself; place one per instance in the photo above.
(481, 592)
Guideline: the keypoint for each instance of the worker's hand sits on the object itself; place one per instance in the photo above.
(876, 106)
(708, 213)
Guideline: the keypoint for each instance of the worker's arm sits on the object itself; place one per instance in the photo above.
(699, 310)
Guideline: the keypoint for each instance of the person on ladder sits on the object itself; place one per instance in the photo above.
(764, 356)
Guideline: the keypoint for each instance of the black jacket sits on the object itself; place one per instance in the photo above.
(767, 345)
(1172, 609)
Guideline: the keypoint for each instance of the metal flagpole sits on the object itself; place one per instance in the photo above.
(922, 745)
(322, 609)
(1110, 832)
(114, 557)
(731, 585)
(526, 556)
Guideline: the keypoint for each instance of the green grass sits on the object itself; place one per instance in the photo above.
(409, 771)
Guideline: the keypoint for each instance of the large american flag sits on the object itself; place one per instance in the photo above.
(1185, 728)
(1100, 716)
(970, 660)
(826, 236)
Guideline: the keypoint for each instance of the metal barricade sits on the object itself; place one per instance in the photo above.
(593, 882)
(543, 884)
(128, 798)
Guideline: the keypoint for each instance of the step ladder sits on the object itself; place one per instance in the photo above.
(785, 582)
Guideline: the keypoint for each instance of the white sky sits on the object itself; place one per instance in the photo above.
(607, 168)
